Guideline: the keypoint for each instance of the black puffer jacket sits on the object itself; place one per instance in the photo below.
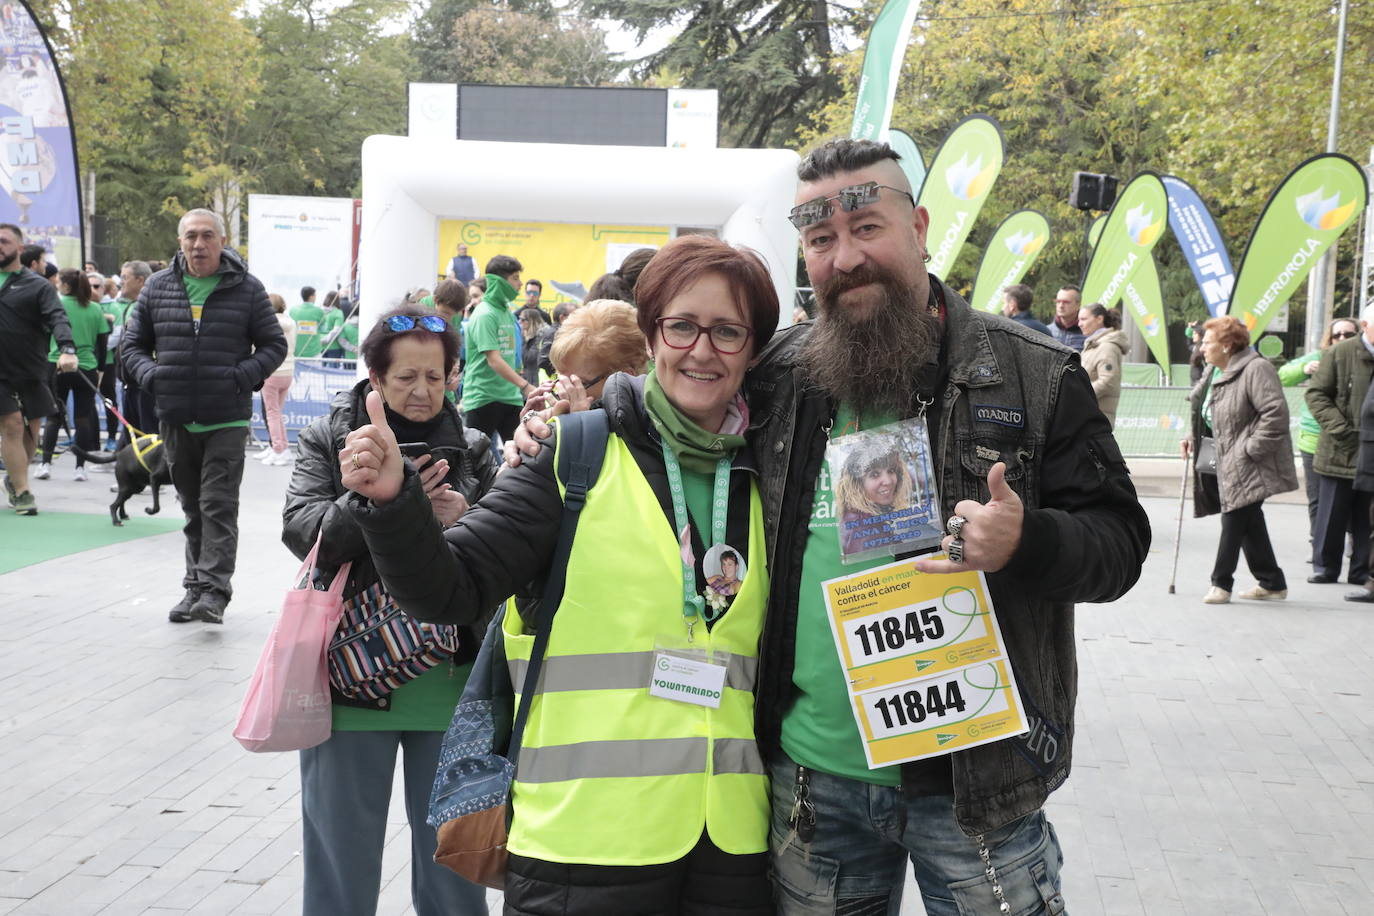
(207, 376)
(316, 498)
(29, 312)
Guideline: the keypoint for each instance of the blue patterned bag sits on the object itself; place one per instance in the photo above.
(470, 805)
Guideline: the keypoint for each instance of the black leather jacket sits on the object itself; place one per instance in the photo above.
(1006, 394)
(30, 311)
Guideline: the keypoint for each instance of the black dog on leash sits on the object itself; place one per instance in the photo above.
(138, 464)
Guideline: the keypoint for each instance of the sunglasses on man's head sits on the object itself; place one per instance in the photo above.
(408, 322)
(849, 199)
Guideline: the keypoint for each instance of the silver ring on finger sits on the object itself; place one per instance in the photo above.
(955, 524)
(956, 550)
(526, 415)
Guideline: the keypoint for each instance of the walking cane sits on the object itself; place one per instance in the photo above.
(1178, 538)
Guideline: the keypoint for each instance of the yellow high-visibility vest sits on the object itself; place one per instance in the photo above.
(608, 774)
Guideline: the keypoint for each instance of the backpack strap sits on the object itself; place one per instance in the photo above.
(581, 449)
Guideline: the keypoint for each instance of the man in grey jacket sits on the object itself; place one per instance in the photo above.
(200, 340)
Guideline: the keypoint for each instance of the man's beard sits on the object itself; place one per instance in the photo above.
(871, 363)
(12, 264)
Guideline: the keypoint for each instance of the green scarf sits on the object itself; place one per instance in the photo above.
(499, 293)
(696, 449)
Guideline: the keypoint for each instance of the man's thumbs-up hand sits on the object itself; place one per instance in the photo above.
(991, 531)
(370, 463)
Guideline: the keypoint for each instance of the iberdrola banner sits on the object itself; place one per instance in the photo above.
(1202, 245)
(1014, 247)
(961, 174)
(1133, 227)
(1303, 218)
(912, 163)
(39, 188)
(1143, 300)
(882, 64)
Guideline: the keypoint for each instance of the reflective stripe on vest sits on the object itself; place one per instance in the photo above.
(609, 775)
(617, 670)
(661, 757)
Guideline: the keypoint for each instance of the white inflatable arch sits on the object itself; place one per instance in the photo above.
(410, 184)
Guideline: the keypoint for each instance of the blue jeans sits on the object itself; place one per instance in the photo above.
(856, 862)
(345, 793)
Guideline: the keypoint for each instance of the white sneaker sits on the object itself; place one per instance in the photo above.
(1260, 593)
(44, 471)
(279, 459)
(80, 473)
(1216, 595)
(262, 455)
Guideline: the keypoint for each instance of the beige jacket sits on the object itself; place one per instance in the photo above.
(1250, 424)
(1102, 356)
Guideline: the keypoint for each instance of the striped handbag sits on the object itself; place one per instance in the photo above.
(378, 647)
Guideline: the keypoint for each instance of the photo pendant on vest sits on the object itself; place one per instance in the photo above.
(885, 492)
(686, 677)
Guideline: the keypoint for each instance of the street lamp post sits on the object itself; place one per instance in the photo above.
(1320, 284)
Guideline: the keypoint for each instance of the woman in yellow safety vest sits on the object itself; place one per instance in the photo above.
(640, 788)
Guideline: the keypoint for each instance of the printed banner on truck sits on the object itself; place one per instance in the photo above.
(1202, 244)
(1014, 247)
(883, 55)
(961, 174)
(1305, 215)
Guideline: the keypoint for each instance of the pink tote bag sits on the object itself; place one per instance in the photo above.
(287, 704)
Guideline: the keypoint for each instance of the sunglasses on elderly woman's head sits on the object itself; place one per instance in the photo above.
(849, 199)
(408, 322)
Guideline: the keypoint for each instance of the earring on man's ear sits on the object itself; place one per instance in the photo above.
(926, 257)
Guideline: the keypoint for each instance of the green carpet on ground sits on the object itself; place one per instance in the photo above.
(25, 540)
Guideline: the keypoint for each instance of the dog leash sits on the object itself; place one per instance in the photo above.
(135, 434)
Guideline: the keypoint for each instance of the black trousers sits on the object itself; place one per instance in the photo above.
(107, 391)
(1340, 508)
(1244, 529)
(207, 469)
(493, 419)
(86, 426)
(705, 882)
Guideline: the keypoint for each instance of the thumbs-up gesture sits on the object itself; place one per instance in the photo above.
(991, 531)
(370, 462)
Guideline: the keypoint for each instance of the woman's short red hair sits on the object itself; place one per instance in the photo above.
(690, 257)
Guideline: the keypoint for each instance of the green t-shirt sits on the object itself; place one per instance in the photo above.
(348, 340)
(198, 289)
(422, 705)
(88, 323)
(819, 730)
(329, 323)
(116, 309)
(491, 328)
(307, 316)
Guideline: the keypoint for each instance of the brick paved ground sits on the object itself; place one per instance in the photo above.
(1223, 753)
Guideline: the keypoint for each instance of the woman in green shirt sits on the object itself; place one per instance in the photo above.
(90, 332)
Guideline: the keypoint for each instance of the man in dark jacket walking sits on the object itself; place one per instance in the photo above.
(1040, 500)
(29, 313)
(201, 339)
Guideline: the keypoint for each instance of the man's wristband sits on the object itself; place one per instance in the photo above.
(68, 349)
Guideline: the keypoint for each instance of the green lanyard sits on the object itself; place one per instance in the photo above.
(693, 605)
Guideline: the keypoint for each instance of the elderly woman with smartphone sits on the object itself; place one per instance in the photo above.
(346, 781)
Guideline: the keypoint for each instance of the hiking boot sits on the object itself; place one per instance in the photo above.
(182, 612)
(209, 608)
(25, 504)
(44, 471)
